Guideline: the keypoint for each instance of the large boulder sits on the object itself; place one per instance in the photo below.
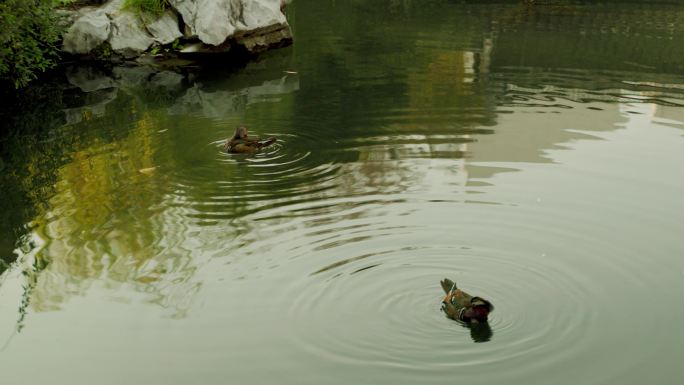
(129, 37)
(211, 26)
(124, 30)
(215, 21)
(164, 30)
(187, 10)
(87, 33)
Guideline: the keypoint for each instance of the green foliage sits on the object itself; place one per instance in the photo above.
(28, 35)
(103, 51)
(62, 3)
(150, 6)
(177, 46)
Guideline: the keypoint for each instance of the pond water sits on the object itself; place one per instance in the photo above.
(532, 154)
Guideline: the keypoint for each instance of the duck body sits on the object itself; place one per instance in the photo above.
(241, 143)
(461, 306)
(243, 146)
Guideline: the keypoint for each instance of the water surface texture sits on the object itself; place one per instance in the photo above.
(533, 154)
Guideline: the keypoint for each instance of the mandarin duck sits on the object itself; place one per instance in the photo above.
(241, 143)
(461, 306)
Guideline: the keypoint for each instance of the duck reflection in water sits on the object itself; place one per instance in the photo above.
(471, 311)
(241, 143)
(480, 332)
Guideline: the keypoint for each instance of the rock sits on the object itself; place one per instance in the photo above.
(256, 14)
(129, 37)
(201, 48)
(261, 40)
(87, 33)
(67, 17)
(217, 24)
(214, 21)
(187, 10)
(165, 29)
(113, 6)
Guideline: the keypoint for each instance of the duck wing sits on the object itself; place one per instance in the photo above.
(267, 142)
(456, 296)
(447, 285)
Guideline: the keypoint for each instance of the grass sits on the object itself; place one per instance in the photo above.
(150, 6)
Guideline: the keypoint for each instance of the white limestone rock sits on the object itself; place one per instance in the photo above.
(214, 21)
(255, 24)
(129, 37)
(113, 6)
(87, 33)
(257, 14)
(187, 10)
(165, 30)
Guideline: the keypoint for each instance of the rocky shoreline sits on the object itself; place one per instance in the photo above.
(110, 31)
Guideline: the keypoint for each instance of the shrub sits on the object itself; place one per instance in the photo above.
(151, 6)
(28, 38)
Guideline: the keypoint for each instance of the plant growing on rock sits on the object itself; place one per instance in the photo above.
(150, 6)
(103, 52)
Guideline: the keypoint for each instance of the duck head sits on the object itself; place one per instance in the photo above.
(478, 311)
(240, 133)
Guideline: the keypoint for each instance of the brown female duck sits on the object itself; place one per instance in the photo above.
(461, 306)
(241, 143)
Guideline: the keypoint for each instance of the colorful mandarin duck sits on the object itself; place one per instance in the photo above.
(241, 143)
(461, 306)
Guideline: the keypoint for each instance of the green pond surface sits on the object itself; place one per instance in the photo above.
(535, 155)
